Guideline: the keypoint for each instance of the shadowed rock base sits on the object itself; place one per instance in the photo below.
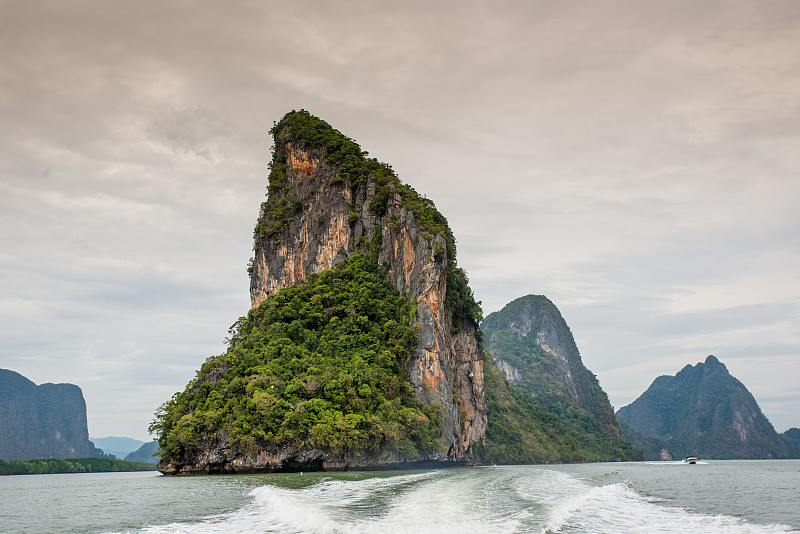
(292, 460)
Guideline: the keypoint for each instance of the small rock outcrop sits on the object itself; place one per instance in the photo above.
(704, 411)
(44, 421)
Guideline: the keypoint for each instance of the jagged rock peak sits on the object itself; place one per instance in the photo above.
(534, 347)
(327, 200)
(711, 362)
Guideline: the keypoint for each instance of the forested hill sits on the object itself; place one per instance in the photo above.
(71, 465)
(703, 411)
(534, 348)
(792, 440)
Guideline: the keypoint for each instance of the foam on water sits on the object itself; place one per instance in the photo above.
(497, 500)
(574, 506)
(617, 508)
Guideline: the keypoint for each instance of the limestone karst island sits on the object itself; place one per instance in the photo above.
(363, 348)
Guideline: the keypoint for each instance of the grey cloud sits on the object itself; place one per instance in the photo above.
(194, 130)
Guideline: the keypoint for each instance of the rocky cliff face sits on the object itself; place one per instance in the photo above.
(334, 216)
(707, 412)
(326, 203)
(45, 421)
(534, 348)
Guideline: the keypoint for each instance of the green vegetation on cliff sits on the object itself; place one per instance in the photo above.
(354, 168)
(590, 431)
(70, 465)
(322, 365)
(792, 440)
(516, 334)
(520, 430)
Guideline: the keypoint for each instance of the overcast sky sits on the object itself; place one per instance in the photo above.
(637, 162)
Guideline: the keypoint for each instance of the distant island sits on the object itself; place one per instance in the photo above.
(44, 421)
(43, 430)
(533, 346)
(146, 454)
(73, 465)
(702, 411)
(117, 446)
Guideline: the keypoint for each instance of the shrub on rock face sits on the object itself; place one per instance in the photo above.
(320, 365)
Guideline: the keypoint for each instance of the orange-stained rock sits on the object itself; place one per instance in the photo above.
(324, 232)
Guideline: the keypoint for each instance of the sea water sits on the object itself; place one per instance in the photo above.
(752, 496)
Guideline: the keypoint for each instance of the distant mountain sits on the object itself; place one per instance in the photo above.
(534, 348)
(45, 421)
(705, 412)
(145, 453)
(793, 434)
(792, 440)
(118, 446)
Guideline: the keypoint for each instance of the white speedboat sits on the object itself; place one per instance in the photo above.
(690, 460)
